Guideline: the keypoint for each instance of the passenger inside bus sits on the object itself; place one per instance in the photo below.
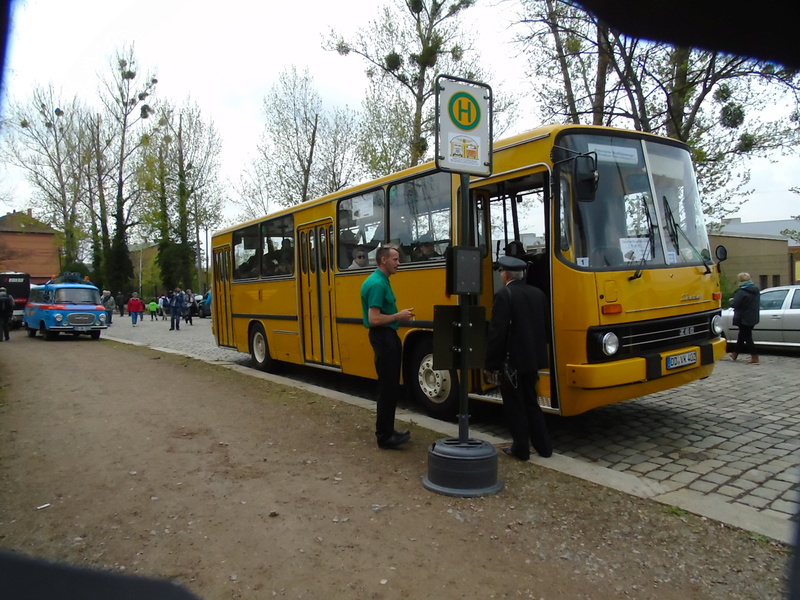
(360, 258)
(425, 250)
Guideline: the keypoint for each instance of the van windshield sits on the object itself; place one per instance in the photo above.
(77, 296)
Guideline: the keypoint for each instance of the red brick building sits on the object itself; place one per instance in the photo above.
(28, 245)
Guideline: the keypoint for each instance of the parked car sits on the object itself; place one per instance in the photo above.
(205, 305)
(779, 324)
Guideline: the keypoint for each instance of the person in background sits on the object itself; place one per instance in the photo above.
(153, 308)
(381, 317)
(176, 310)
(360, 258)
(135, 308)
(516, 348)
(107, 300)
(189, 306)
(6, 312)
(746, 305)
(120, 300)
(164, 304)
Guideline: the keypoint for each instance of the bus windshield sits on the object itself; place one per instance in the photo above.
(77, 296)
(646, 211)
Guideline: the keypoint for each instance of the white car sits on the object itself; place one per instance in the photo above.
(779, 324)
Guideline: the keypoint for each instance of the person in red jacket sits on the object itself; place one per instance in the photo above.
(135, 307)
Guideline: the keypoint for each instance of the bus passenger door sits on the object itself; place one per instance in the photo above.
(221, 299)
(317, 302)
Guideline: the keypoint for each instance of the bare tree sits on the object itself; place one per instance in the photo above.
(305, 150)
(124, 95)
(586, 72)
(46, 139)
(405, 49)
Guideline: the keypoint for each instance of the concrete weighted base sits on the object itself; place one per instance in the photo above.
(465, 469)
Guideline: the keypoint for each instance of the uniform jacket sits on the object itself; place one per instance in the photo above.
(746, 305)
(520, 329)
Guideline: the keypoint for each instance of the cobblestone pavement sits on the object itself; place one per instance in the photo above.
(727, 447)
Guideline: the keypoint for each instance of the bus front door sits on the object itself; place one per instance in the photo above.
(317, 301)
(222, 319)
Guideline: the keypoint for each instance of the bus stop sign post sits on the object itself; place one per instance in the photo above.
(462, 466)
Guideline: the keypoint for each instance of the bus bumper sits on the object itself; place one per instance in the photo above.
(646, 368)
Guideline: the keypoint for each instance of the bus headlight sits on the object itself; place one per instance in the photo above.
(610, 343)
(716, 324)
(59, 317)
(102, 318)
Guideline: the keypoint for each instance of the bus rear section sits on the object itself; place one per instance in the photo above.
(18, 285)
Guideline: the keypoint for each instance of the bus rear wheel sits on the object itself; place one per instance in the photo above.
(435, 390)
(259, 349)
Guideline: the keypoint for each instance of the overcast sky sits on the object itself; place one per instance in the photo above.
(225, 56)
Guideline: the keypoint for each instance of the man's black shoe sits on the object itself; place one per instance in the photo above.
(510, 452)
(395, 440)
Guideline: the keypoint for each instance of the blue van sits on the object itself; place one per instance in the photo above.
(66, 304)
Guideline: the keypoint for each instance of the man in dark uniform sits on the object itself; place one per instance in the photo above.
(381, 317)
(516, 349)
(6, 312)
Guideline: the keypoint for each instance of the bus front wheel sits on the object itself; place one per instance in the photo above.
(259, 349)
(435, 390)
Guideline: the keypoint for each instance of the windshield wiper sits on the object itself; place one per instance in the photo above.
(648, 249)
(674, 229)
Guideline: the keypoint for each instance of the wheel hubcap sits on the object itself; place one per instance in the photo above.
(434, 384)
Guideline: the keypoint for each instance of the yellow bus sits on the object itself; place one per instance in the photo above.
(621, 252)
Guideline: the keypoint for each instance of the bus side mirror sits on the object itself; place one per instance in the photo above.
(721, 253)
(585, 177)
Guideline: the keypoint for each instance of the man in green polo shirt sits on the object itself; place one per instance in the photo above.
(379, 310)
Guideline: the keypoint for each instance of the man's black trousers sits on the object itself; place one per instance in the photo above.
(388, 356)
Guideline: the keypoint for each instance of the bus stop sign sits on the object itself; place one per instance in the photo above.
(464, 126)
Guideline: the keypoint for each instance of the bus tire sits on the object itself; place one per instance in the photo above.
(95, 335)
(31, 331)
(259, 349)
(436, 391)
(50, 336)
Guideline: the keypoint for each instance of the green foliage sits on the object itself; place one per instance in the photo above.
(676, 511)
(119, 268)
(732, 115)
(176, 262)
(393, 62)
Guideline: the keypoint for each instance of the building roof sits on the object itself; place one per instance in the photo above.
(771, 228)
(20, 222)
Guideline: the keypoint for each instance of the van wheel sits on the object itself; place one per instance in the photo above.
(50, 335)
(436, 391)
(31, 331)
(95, 335)
(259, 349)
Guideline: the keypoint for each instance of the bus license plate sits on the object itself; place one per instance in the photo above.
(682, 360)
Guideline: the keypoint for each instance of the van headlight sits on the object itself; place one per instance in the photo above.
(716, 324)
(59, 317)
(102, 318)
(610, 343)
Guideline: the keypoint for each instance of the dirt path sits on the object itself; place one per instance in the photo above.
(238, 488)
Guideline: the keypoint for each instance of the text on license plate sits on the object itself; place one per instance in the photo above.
(682, 360)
